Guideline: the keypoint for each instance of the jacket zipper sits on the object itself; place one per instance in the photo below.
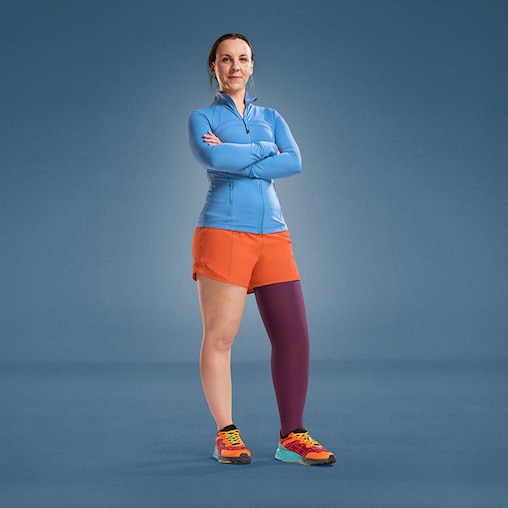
(247, 130)
(260, 190)
(230, 203)
(242, 118)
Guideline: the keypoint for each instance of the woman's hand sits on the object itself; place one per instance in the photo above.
(211, 139)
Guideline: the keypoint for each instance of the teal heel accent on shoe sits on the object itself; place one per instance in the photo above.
(287, 456)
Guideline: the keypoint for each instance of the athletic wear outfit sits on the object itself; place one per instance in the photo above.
(240, 170)
(242, 238)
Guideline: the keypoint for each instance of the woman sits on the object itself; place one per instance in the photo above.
(241, 246)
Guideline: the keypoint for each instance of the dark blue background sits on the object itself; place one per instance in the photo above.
(398, 222)
(398, 219)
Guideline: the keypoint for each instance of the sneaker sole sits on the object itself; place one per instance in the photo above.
(284, 455)
(241, 459)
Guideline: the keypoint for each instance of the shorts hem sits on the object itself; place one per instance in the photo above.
(212, 275)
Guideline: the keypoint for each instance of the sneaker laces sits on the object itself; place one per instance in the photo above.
(233, 437)
(307, 437)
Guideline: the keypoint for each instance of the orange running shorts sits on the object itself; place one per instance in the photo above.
(245, 259)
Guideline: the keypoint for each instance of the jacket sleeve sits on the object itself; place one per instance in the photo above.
(225, 157)
(286, 163)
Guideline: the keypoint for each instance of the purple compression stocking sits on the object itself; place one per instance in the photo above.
(282, 310)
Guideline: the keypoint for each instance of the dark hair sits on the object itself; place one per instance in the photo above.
(225, 37)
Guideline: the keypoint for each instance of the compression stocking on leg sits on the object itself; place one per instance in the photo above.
(282, 310)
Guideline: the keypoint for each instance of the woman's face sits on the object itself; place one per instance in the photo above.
(233, 66)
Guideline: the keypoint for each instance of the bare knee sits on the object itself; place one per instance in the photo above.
(219, 341)
(222, 307)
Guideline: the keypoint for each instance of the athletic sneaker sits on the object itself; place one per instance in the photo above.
(300, 448)
(229, 447)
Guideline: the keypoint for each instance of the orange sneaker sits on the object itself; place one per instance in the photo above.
(229, 447)
(298, 447)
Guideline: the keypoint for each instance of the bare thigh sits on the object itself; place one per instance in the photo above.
(222, 305)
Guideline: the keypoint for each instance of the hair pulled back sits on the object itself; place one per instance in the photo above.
(213, 52)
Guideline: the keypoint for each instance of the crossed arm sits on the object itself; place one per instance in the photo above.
(261, 159)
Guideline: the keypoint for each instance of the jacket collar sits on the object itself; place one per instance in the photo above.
(224, 98)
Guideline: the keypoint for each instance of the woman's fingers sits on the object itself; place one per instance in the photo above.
(211, 138)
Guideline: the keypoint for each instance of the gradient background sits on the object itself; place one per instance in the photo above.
(398, 222)
(398, 219)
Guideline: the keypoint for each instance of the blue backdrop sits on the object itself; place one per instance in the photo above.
(398, 219)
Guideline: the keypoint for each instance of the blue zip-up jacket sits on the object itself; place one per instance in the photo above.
(255, 149)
